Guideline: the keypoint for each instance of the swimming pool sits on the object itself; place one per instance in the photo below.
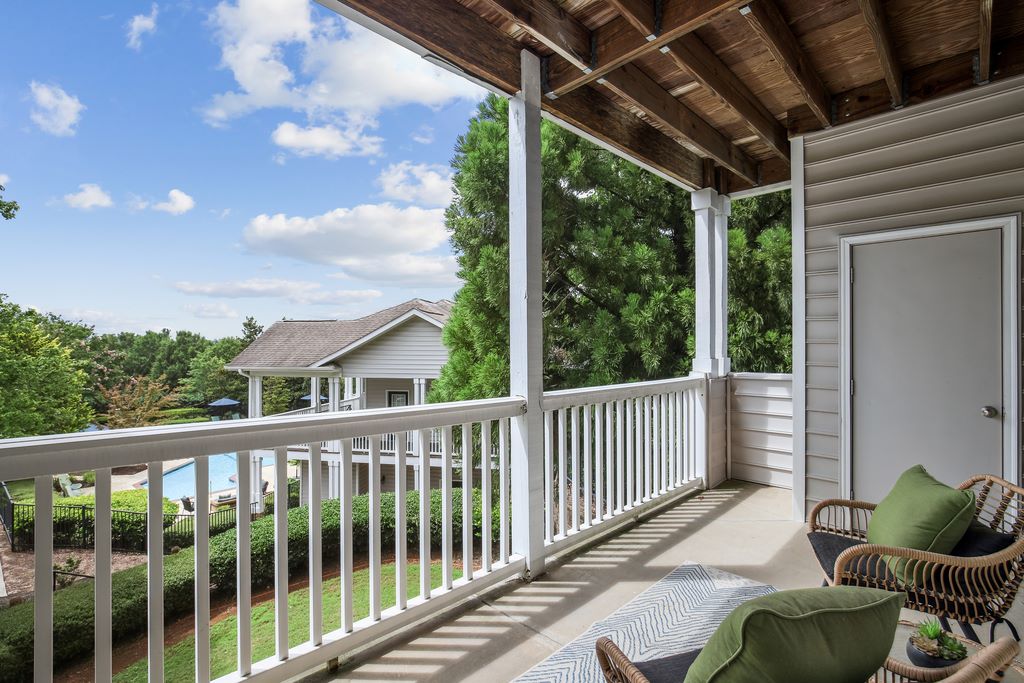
(181, 481)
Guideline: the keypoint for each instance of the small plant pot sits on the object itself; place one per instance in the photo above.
(921, 658)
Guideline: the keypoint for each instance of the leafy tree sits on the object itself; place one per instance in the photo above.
(207, 380)
(618, 268)
(278, 396)
(250, 330)
(8, 208)
(42, 383)
(137, 402)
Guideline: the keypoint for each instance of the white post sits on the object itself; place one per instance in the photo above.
(720, 287)
(305, 481)
(256, 464)
(526, 316)
(706, 205)
(314, 394)
(419, 397)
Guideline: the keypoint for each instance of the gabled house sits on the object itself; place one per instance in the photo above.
(384, 359)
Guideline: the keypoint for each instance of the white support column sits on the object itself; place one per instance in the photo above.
(256, 410)
(305, 481)
(711, 260)
(526, 316)
(720, 286)
(419, 397)
(314, 394)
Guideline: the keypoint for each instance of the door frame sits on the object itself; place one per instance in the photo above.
(1010, 229)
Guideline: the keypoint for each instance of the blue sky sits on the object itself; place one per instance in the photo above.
(185, 164)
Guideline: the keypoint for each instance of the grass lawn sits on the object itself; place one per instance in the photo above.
(179, 659)
(23, 490)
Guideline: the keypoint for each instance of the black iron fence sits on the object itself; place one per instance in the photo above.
(74, 525)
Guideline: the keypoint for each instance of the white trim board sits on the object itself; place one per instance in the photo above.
(799, 260)
(1010, 228)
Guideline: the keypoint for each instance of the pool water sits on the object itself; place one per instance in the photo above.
(181, 481)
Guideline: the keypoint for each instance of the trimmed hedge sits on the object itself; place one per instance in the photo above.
(78, 523)
(73, 606)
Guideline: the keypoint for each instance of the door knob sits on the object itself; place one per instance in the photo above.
(990, 411)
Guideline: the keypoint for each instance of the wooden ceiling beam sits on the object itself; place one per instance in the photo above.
(456, 35)
(620, 41)
(550, 25)
(878, 28)
(632, 84)
(642, 14)
(985, 42)
(767, 21)
(690, 53)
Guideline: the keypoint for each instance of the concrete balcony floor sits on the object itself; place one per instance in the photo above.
(742, 528)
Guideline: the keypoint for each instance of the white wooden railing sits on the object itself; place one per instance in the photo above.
(609, 450)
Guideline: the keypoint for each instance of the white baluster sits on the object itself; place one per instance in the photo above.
(620, 456)
(345, 512)
(575, 467)
(316, 565)
(446, 508)
(201, 557)
(485, 494)
(549, 474)
(561, 472)
(467, 501)
(375, 596)
(102, 587)
(243, 570)
(609, 455)
(42, 540)
(588, 490)
(503, 483)
(424, 454)
(281, 551)
(154, 569)
(401, 582)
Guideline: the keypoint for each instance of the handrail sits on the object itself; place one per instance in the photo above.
(565, 398)
(22, 458)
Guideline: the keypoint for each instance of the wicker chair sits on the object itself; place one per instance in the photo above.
(971, 590)
(980, 667)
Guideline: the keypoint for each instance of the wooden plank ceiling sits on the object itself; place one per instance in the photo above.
(707, 92)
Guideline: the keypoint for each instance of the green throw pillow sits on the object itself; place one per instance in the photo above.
(811, 635)
(921, 513)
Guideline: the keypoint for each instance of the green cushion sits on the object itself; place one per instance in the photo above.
(811, 635)
(921, 513)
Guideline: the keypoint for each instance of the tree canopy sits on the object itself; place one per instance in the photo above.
(618, 268)
(43, 383)
(8, 208)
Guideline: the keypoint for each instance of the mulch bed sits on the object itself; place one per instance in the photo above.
(19, 568)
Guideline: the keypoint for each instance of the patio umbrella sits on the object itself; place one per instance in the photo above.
(223, 403)
(308, 396)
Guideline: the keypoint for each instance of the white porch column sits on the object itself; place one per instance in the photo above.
(306, 479)
(360, 384)
(314, 393)
(256, 463)
(419, 397)
(711, 279)
(720, 286)
(526, 315)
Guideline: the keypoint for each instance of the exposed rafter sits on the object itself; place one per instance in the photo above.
(690, 53)
(620, 41)
(632, 84)
(456, 35)
(550, 25)
(769, 24)
(985, 42)
(878, 27)
(642, 14)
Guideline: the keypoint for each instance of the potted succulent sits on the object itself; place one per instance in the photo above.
(932, 647)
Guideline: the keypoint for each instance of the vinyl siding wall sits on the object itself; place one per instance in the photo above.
(955, 159)
(718, 432)
(412, 349)
(761, 428)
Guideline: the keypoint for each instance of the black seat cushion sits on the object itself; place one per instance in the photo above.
(827, 547)
(670, 669)
(980, 540)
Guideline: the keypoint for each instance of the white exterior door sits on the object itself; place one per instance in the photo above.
(926, 335)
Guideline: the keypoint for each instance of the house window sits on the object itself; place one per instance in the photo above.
(397, 399)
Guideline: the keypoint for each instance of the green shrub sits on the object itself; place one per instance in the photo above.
(73, 606)
(73, 521)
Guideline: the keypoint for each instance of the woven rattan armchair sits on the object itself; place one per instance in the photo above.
(980, 667)
(971, 590)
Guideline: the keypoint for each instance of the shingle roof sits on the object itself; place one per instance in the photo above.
(301, 343)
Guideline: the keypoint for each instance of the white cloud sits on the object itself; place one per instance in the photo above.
(4, 179)
(89, 196)
(177, 203)
(423, 135)
(54, 111)
(327, 141)
(402, 269)
(106, 321)
(212, 310)
(296, 291)
(139, 25)
(333, 71)
(429, 184)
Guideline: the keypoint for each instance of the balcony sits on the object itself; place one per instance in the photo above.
(609, 455)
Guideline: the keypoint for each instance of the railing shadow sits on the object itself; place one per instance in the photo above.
(506, 632)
